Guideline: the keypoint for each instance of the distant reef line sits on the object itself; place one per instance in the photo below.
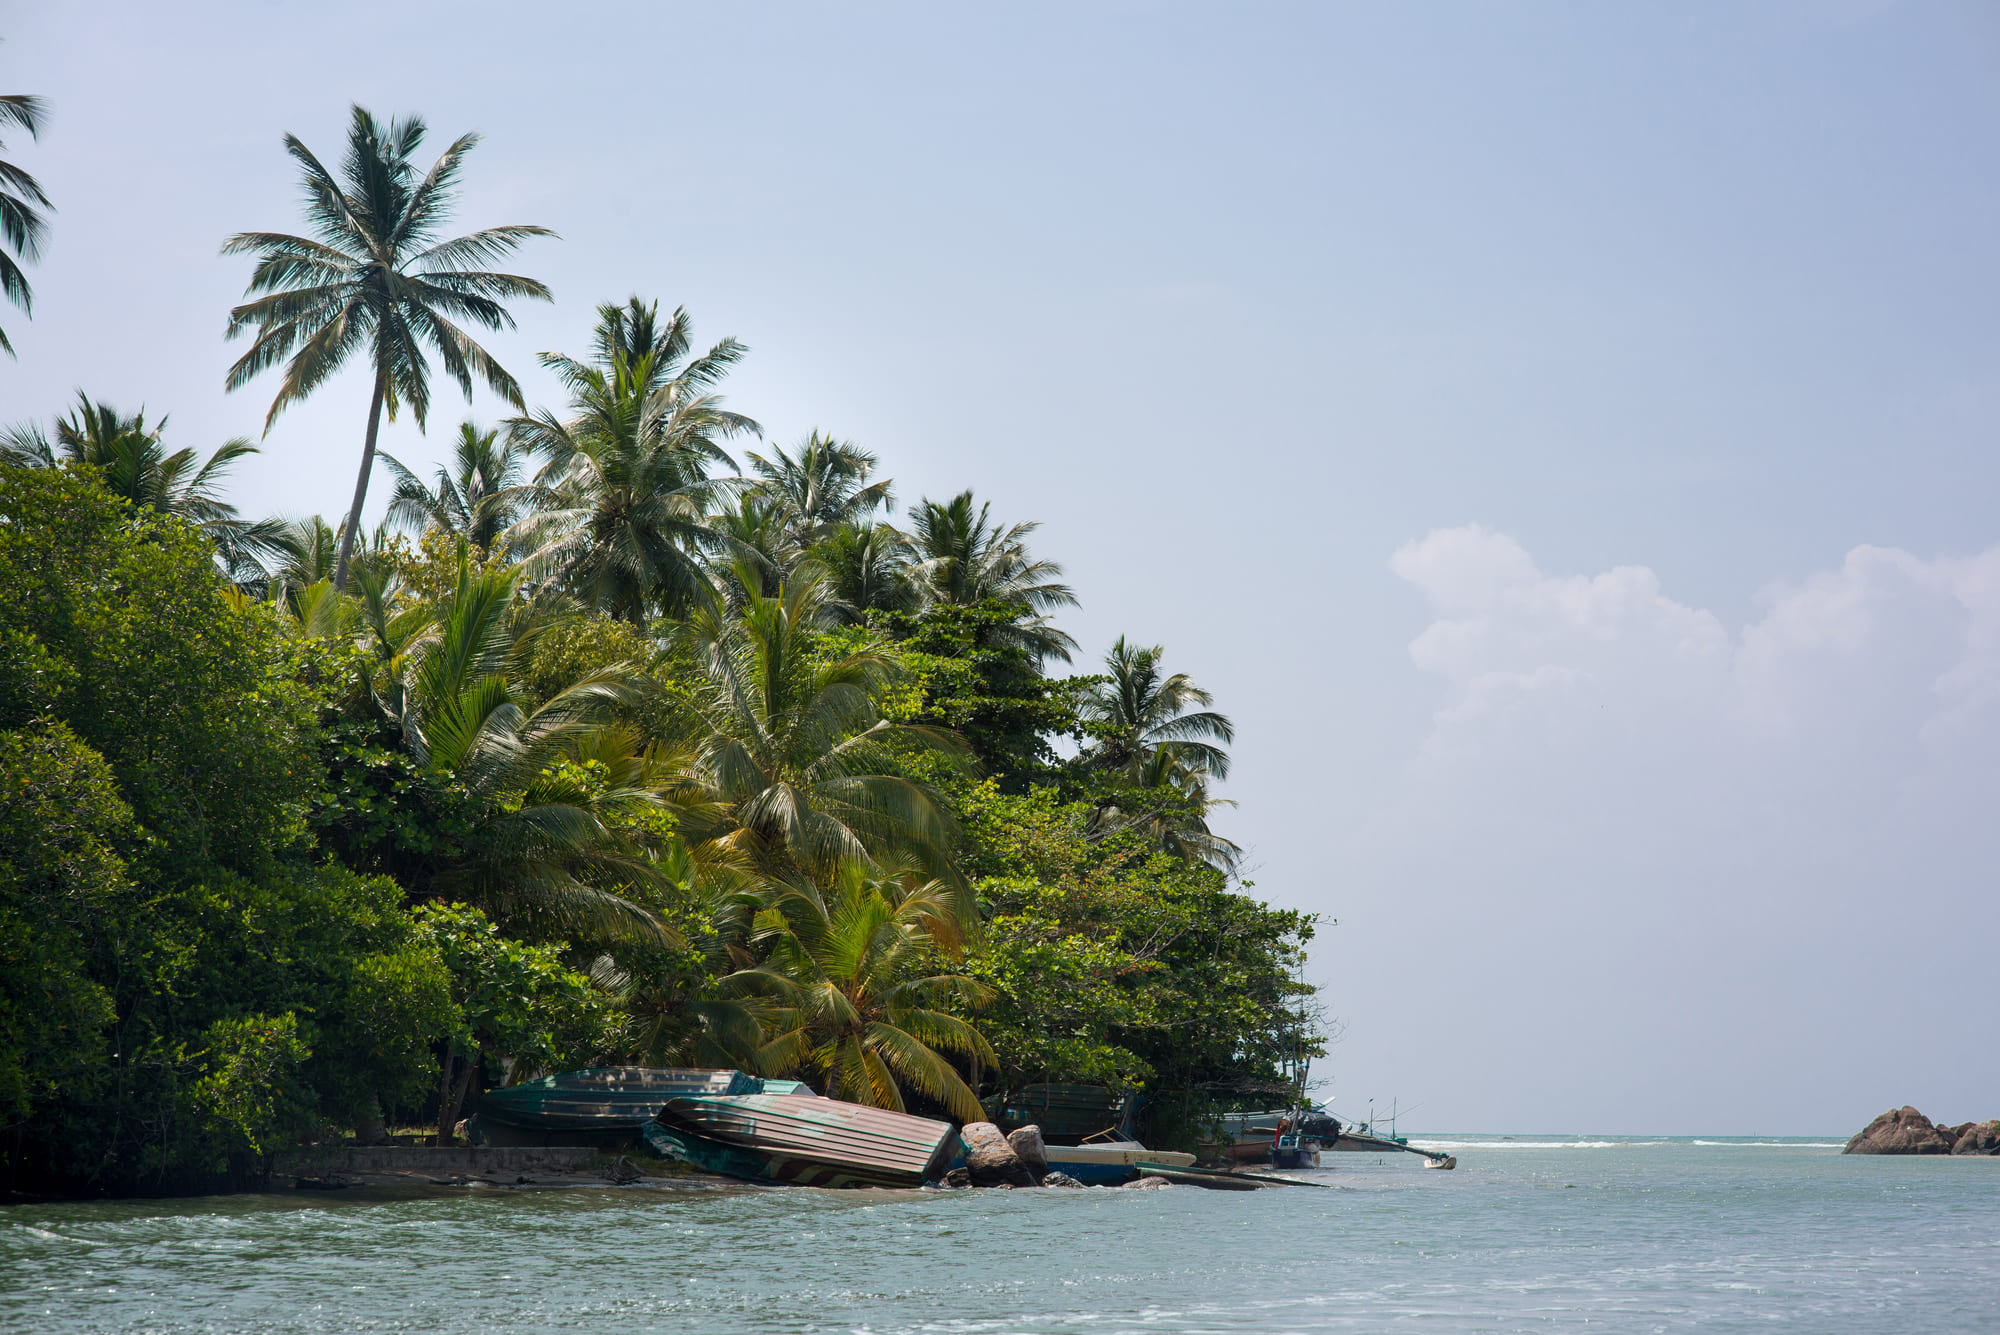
(1907, 1131)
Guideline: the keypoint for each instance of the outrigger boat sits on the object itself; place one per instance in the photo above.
(1295, 1137)
(808, 1142)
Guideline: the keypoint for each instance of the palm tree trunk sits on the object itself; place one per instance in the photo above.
(361, 483)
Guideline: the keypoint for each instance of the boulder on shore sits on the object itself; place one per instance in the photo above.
(1978, 1138)
(1900, 1131)
(1030, 1150)
(991, 1160)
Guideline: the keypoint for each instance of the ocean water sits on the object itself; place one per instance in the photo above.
(1528, 1234)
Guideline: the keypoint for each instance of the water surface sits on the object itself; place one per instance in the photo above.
(1532, 1233)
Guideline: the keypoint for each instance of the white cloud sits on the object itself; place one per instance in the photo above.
(1742, 875)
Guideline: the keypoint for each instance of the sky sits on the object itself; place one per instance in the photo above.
(1559, 434)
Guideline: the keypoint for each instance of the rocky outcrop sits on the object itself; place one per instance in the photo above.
(990, 1160)
(1977, 1138)
(1030, 1150)
(1907, 1131)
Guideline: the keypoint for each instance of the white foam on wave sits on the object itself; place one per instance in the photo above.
(1775, 1144)
(57, 1237)
(1529, 1144)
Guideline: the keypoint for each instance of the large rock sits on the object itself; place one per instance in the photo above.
(1030, 1150)
(1899, 1131)
(991, 1160)
(1978, 1138)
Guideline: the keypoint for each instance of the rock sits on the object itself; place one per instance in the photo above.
(991, 1159)
(1028, 1148)
(1899, 1131)
(1150, 1183)
(1978, 1138)
(958, 1177)
(1060, 1180)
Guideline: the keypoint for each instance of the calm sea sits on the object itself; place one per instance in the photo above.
(1532, 1233)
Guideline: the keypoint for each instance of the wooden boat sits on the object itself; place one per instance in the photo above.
(1108, 1163)
(809, 1142)
(604, 1105)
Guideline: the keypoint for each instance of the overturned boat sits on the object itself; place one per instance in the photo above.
(808, 1142)
(604, 1106)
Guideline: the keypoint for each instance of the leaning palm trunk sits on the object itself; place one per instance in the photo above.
(353, 523)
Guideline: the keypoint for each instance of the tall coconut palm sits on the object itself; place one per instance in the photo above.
(859, 1008)
(824, 488)
(477, 498)
(1145, 727)
(810, 774)
(21, 203)
(375, 278)
(963, 558)
(133, 463)
(619, 506)
(1138, 711)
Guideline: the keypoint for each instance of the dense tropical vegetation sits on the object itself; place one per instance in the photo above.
(607, 747)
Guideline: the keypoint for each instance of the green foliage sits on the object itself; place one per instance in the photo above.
(985, 687)
(861, 1004)
(250, 1092)
(1115, 962)
(514, 1000)
(60, 818)
(118, 625)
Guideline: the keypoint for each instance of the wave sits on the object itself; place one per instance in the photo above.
(57, 1237)
(1528, 1144)
(1427, 1143)
(1777, 1144)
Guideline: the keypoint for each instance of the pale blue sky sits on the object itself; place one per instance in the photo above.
(1240, 305)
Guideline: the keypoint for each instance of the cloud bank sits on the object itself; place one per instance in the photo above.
(1741, 878)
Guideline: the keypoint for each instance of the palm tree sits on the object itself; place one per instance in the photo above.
(1168, 805)
(1135, 712)
(824, 489)
(867, 567)
(964, 558)
(546, 790)
(753, 531)
(1146, 729)
(618, 509)
(808, 770)
(377, 276)
(134, 464)
(856, 1005)
(477, 499)
(21, 201)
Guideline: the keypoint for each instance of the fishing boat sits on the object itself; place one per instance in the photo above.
(809, 1142)
(603, 1105)
(1295, 1135)
(1110, 1162)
